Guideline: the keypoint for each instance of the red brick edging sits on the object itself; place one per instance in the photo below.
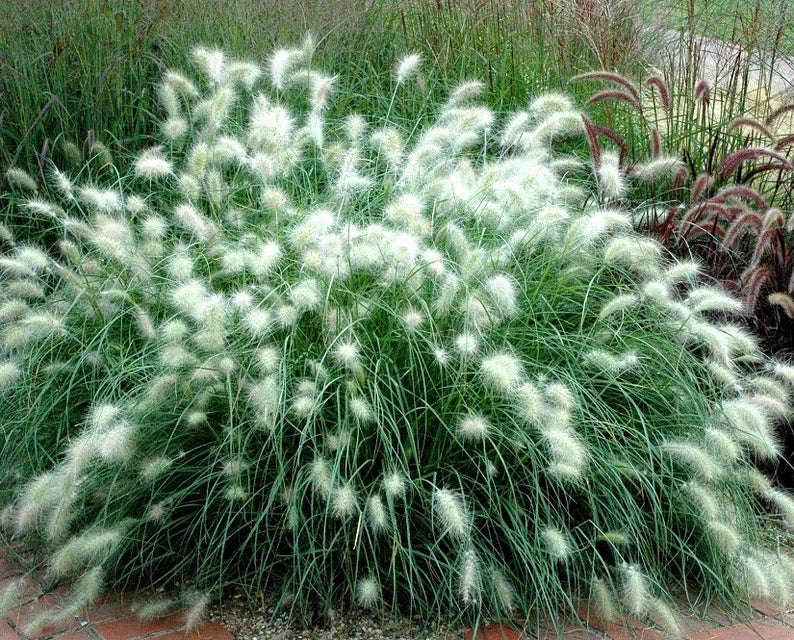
(113, 619)
(108, 619)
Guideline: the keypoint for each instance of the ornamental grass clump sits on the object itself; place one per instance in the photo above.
(397, 365)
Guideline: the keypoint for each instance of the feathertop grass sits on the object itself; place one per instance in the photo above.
(409, 366)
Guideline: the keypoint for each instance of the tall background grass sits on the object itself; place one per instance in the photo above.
(77, 71)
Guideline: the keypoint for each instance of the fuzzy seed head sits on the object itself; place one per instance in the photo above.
(636, 592)
(153, 609)
(376, 514)
(321, 477)
(667, 618)
(451, 513)
(347, 355)
(695, 457)
(502, 371)
(152, 164)
(467, 345)
(10, 372)
(557, 543)
(725, 536)
(504, 292)
(267, 360)
(367, 592)
(407, 67)
(474, 427)
(343, 501)
(361, 410)
(153, 468)
(469, 577)
(604, 600)
(117, 442)
(394, 485)
(197, 611)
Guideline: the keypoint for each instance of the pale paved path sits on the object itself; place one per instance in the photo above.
(113, 619)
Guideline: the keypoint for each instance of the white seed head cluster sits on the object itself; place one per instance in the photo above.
(636, 590)
(451, 513)
(367, 592)
(474, 427)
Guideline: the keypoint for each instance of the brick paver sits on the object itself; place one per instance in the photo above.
(628, 629)
(6, 632)
(109, 619)
(27, 618)
(209, 630)
(112, 618)
(761, 630)
(493, 632)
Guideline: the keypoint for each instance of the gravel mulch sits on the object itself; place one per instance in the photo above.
(247, 620)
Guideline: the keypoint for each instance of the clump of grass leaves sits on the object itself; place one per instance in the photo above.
(400, 365)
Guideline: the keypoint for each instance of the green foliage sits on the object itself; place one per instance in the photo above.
(404, 364)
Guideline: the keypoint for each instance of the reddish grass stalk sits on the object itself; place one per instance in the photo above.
(661, 88)
(768, 166)
(703, 91)
(753, 123)
(747, 220)
(666, 227)
(709, 226)
(598, 130)
(770, 119)
(774, 217)
(656, 143)
(734, 160)
(753, 279)
(784, 142)
(615, 94)
(772, 240)
(592, 140)
(694, 216)
(624, 82)
(740, 191)
(703, 184)
(784, 301)
(680, 178)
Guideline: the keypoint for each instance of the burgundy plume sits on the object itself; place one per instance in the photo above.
(592, 140)
(770, 119)
(666, 227)
(694, 216)
(771, 239)
(782, 300)
(708, 226)
(703, 91)
(746, 221)
(734, 160)
(763, 168)
(787, 141)
(753, 279)
(598, 130)
(615, 94)
(740, 191)
(661, 88)
(656, 143)
(753, 123)
(774, 217)
(702, 186)
(680, 178)
(627, 84)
